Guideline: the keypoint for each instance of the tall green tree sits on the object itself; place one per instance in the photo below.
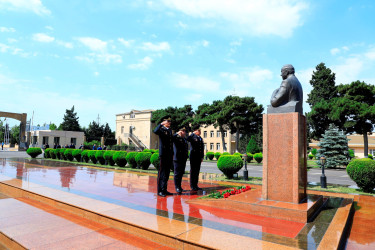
(182, 116)
(355, 109)
(14, 134)
(94, 130)
(52, 126)
(70, 121)
(320, 98)
(252, 146)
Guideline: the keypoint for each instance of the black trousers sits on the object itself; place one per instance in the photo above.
(166, 164)
(195, 168)
(179, 170)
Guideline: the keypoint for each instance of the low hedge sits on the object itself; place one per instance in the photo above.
(99, 155)
(210, 155)
(370, 156)
(250, 157)
(143, 159)
(57, 153)
(62, 153)
(226, 153)
(34, 152)
(120, 158)
(311, 156)
(229, 165)
(155, 160)
(217, 155)
(108, 156)
(77, 154)
(258, 157)
(130, 158)
(91, 155)
(85, 155)
(238, 154)
(52, 153)
(47, 153)
(362, 172)
(68, 154)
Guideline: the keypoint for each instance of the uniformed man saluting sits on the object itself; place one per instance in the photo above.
(196, 157)
(164, 132)
(180, 149)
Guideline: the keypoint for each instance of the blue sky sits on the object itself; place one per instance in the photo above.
(108, 57)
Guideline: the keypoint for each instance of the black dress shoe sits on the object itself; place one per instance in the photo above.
(179, 190)
(162, 194)
(167, 193)
(196, 189)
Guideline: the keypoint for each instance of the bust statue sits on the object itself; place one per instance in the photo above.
(289, 97)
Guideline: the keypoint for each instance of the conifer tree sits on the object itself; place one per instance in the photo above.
(334, 146)
(70, 121)
(252, 147)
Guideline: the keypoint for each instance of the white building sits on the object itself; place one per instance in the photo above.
(40, 137)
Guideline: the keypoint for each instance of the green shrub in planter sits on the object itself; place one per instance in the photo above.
(238, 154)
(120, 158)
(34, 152)
(217, 155)
(77, 154)
(47, 153)
(210, 155)
(250, 157)
(155, 160)
(62, 153)
(362, 172)
(153, 151)
(52, 153)
(370, 156)
(68, 154)
(108, 156)
(143, 159)
(92, 157)
(99, 155)
(229, 165)
(311, 156)
(146, 150)
(85, 155)
(258, 157)
(130, 158)
(57, 153)
(226, 153)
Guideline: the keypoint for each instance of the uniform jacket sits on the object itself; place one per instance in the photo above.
(165, 140)
(180, 148)
(196, 146)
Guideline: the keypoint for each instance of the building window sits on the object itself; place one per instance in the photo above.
(132, 115)
(122, 129)
(204, 134)
(226, 145)
(217, 146)
(56, 140)
(73, 141)
(205, 146)
(218, 134)
(372, 151)
(225, 134)
(212, 134)
(45, 139)
(211, 146)
(35, 139)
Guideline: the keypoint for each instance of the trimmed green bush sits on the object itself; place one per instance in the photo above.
(130, 158)
(99, 155)
(250, 157)
(155, 160)
(57, 153)
(68, 154)
(85, 155)
(238, 154)
(47, 152)
(62, 153)
(77, 154)
(146, 150)
(217, 155)
(210, 155)
(229, 165)
(314, 151)
(226, 153)
(311, 156)
(351, 153)
(362, 172)
(153, 151)
(91, 155)
(370, 156)
(34, 152)
(52, 153)
(120, 158)
(258, 157)
(108, 156)
(143, 159)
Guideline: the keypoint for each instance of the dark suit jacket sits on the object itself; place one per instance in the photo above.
(196, 147)
(180, 148)
(165, 141)
(290, 90)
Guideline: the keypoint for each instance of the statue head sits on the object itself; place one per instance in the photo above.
(287, 70)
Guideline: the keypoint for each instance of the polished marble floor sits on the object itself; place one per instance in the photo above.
(137, 192)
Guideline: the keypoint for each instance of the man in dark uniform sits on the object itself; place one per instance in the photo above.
(196, 156)
(164, 132)
(180, 149)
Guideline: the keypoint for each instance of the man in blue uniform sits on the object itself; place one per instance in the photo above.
(180, 149)
(196, 156)
(164, 132)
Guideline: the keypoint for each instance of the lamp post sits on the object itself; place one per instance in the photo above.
(323, 178)
(245, 172)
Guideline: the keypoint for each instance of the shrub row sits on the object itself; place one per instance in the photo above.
(250, 157)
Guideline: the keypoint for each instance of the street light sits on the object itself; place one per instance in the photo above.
(245, 172)
(323, 178)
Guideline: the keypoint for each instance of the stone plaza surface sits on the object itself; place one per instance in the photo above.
(127, 211)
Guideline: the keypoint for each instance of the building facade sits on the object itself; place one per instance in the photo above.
(213, 141)
(40, 137)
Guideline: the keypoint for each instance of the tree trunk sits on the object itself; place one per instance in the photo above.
(222, 138)
(365, 142)
(237, 138)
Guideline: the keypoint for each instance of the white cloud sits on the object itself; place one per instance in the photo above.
(126, 43)
(65, 44)
(193, 97)
(35, 6)
(12, 40)
(96, 73)
(348, 70)
(13, 50)
(182, 25)
(266, 17)
(162, 46)
(205, 43)
(104, 58)
(4, 48)
(236, 42)
(370, 54)
(49, 27)
(197, 83)
(143, 64)
(43, 38)
(5, 29)
(335, 51)
(94, 44)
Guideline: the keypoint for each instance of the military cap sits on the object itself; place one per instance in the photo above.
(182, 128)
(196, 127)
(166, 118)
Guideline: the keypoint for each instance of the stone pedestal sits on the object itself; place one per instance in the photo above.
(284, 157)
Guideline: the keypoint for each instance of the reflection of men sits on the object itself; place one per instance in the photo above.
(180, 149)
(164, 132)
(196, 157)
(290, 88)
